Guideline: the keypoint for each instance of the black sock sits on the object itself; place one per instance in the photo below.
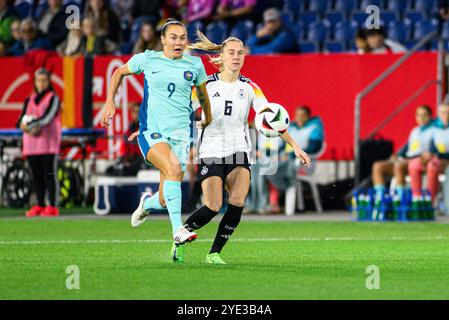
(199, 218)
(226, 228)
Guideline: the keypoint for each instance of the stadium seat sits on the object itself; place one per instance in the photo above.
(422, 28)
(23, 8)
(397, 6)
(365, 3)
(191, 29)
(335, 17)
(426, 6)
(217, 31)
(319, 6)
(294, 6)
(287, 16)
(300, 30)
(242, 30)
(345, 5)
(415, 16)
(308, 17)
(344, 32)
(388, 16)
(126, 48)
(308, 47)
(334, 46)
(359, 17)
(399, 31)
(318, 31)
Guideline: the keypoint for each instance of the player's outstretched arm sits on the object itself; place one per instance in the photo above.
(203, 99)
(109, 107)
(301, 154)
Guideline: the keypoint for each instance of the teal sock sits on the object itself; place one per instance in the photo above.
(173, 200)
(400, 191)
(380, 190)
(152, 203)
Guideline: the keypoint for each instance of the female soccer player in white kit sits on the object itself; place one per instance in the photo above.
(224, 146)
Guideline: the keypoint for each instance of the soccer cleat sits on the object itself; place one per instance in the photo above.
(140, 214)
(177, 253)
(183, 236)
(214, 258)
(34, 211)
(50, 211)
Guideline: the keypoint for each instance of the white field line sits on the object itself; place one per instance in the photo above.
(144, 241)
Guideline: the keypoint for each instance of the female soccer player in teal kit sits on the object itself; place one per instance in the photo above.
(164, 132)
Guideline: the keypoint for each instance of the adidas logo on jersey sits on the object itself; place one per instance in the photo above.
(216, 95)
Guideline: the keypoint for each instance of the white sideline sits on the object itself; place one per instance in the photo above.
(143, 241)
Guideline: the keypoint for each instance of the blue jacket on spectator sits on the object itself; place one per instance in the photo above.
(19, 49)
(309, 137)
(283, 41)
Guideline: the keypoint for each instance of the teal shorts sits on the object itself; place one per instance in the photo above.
(180, 146)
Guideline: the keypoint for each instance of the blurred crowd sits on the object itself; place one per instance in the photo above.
(132, 26)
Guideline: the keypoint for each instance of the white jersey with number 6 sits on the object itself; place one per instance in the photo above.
(230, 103)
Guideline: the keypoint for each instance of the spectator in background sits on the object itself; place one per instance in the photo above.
(261, 6)
(52, 22)
(148, 8)
(40, 122)
(200, 10)
(231, 11)
(308, 132)
(443, 10)
(124, 10)
(15, 30)
(92, 43)
(107, 24)
(3, 49)
(360, 42)
(73, 44)
(419, 142)
(29, 39)
(378, 43)
(148, 39)
(273, 37)
(436, 160)
(7, 17)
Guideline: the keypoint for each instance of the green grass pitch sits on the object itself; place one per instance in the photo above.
(266, 260)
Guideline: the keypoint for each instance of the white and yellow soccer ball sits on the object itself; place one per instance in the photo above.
(272, 120)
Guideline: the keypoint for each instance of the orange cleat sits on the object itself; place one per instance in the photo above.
(50, 211)
(34, 211)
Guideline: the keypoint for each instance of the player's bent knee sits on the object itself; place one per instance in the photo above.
(174, 172)
(214, 205)
(236, 200)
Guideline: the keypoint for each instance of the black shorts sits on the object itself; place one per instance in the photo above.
(221, 167)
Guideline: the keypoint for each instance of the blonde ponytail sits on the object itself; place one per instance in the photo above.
(205, 44)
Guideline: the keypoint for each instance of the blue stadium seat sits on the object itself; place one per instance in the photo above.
(415, 16)
(191, 29)
(300, 30)
(126, 48)
(308, 17)
(423, 27)
(426, 6)
(366, 3)
(217, 31)
(242, 30)
(399, 31)
(344, 31)
(334, 46)
(287, 16)
(318, 31)
(335, 17)
(359, 17)
(345, 5)
(319, 6)
(23, 8)
(294, 6)
(308, 47)
(388, 16)
(398, 6)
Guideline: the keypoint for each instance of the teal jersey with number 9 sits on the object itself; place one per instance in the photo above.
(166, 107)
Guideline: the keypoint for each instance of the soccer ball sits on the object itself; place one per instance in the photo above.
(26, 119)
(272, 120)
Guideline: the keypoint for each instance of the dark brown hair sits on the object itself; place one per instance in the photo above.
(170, 22)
